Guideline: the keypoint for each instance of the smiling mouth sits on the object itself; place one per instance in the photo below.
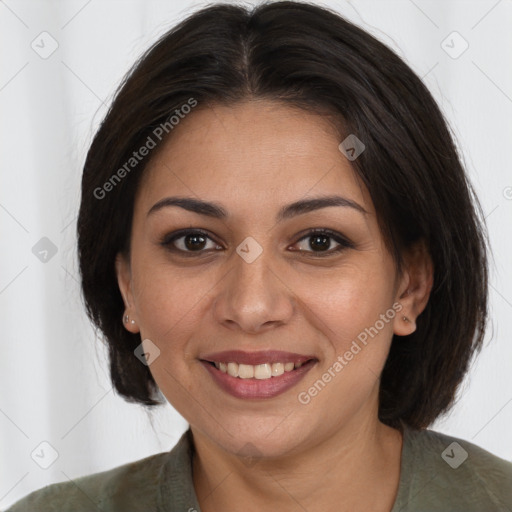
(258, 371)
(258, 375)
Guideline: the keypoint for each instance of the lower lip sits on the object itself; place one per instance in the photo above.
(258, 388)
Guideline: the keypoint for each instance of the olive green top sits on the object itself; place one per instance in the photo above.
(438, 473)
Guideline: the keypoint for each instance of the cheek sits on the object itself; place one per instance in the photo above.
(346, 300)
(166, 300)
(347, 312)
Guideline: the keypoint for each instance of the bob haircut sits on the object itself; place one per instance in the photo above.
(309, 57)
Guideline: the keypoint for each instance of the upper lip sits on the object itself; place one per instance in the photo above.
(253, 358)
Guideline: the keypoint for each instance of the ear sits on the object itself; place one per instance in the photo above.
(414, 288)
(124, 281)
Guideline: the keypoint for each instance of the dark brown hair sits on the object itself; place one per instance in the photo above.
(310, 57)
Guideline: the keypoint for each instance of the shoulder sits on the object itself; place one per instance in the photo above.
(446, 471)
(131, 486)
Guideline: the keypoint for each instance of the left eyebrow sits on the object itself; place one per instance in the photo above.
(309, 205)
(217, 211)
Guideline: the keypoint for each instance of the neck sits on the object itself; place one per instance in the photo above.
(356, 468)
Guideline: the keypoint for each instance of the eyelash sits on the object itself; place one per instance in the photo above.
(168, 239)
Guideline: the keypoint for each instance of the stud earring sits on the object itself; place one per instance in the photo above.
(126, 318)
(405, 319)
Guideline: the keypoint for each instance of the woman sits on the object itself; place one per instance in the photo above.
(277, 235)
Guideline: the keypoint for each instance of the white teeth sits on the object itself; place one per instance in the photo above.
(277, 369)
(233, 369)
(259, 371)
(246, 371)
(263, 371)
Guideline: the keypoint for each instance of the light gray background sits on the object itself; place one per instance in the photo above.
(54, 378)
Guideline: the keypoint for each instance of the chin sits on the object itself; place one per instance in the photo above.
(264, 438)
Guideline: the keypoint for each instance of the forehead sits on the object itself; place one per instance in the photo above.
(255, 154)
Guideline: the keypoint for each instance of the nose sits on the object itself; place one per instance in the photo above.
(253, 297)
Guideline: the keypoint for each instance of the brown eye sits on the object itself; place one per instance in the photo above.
(189, 241)
(320, 240)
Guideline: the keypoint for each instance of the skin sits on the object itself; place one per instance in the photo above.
(253, 158)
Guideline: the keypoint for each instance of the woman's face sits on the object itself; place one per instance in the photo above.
(256, 282)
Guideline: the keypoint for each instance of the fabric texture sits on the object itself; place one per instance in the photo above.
(439, 473)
